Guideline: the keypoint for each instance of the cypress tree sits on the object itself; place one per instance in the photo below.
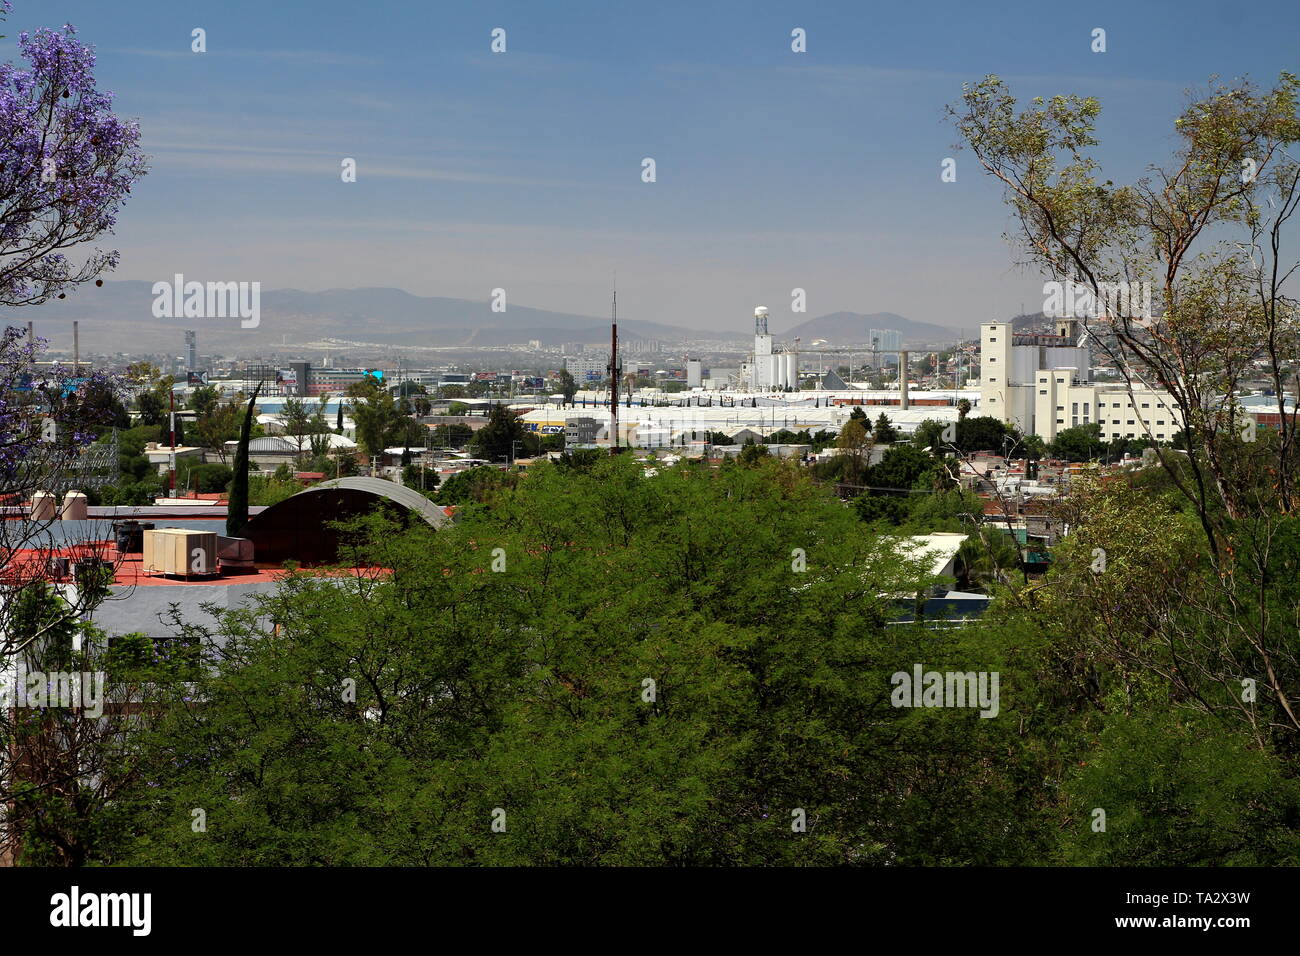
(237, 506)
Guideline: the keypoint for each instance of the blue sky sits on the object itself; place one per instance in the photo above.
(523, 170)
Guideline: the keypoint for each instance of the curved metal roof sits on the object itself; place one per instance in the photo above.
(398, 494)
(305, 527)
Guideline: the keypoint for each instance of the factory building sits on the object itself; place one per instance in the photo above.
(1042, 383)
(770, 368)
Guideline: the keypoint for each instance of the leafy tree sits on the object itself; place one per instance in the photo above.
(302, 424)
(204, 400)
(220, 425)
(568, 387)
(952, 509)
(420, 478)
(526, 689)
(1078, 443)
(883, 509)
(473, 485)
(904, 467)
(854, 445)
(984, 433)
(1198, 230)
(885, 433)
(152, 406)
(100, 404)
(495, 440)
(375, 413)
(1181, 790)
(203, 478)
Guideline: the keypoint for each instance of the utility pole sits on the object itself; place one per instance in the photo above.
(615, 370)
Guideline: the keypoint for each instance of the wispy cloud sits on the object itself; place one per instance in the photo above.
(314, 163)
(304, 57)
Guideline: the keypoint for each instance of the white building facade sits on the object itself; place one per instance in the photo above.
(1043, 384)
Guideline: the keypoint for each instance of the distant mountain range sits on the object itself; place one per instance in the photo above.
(854, 328)
(118, 317)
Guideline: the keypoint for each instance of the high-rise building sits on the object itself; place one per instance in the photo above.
(884, 341)
(585, 370)
(191, 351)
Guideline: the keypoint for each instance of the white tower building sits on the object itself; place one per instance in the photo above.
(771, 369)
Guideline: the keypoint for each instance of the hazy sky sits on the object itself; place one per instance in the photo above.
(522, 170)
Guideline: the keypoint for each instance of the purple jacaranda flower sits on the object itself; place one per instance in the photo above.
(66, 165)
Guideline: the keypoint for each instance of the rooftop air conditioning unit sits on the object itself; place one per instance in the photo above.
(180, 552)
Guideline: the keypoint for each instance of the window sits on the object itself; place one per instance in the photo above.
(1146, 404)
(1114, 434)
(1074, 420)
(1060, 408)
(992, 358)
(1060, 381)
(1161, 436)
(1074, 410)
(1115, 422)
(1130, 421)
(992, 380)
(1060, 421)
(992, 401)
(1042, 391)
(1159, 423)
(993, 338)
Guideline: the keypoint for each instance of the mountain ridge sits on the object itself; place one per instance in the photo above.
(122, 310)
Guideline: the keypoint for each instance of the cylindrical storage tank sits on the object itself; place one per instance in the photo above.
(43, 506)
(74, 507)
(792, 369)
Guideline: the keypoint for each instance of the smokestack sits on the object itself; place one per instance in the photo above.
(902, 380)
(76, 348)
(31, 335)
